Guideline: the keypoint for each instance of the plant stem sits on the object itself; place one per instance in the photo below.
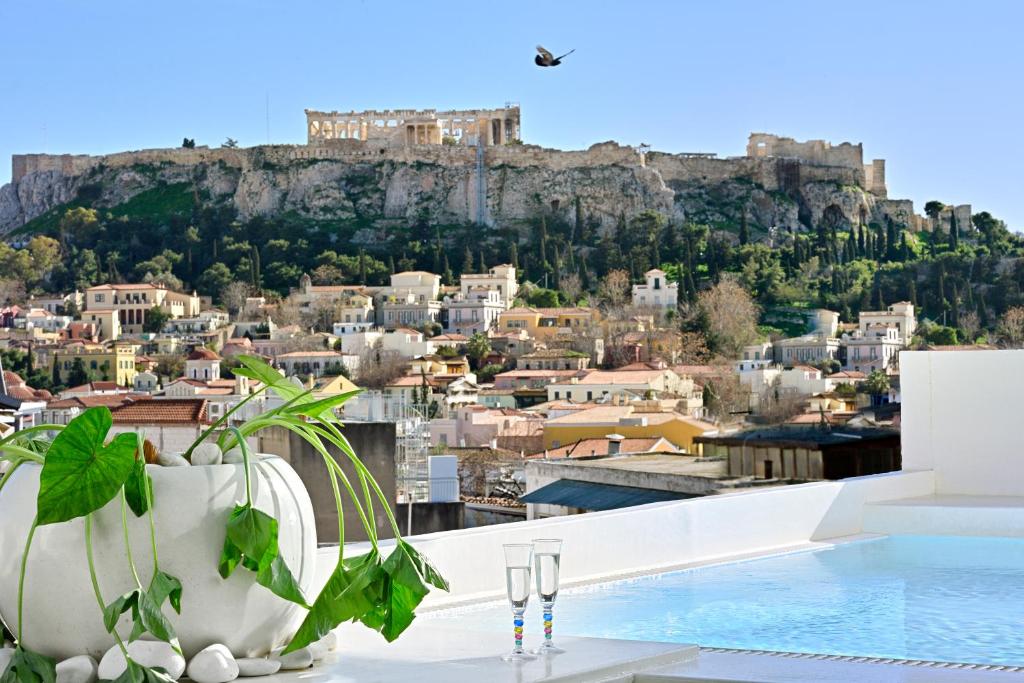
(336, 437)
(341, 516)
(31, 430)
(15, 464)
(245, 461)
(222, 420)
(21, 580)
(127, 542)
(146, 481)
(22, 452)
(95, 581)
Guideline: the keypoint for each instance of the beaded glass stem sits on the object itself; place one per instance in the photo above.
(518, 565)
(547, 556)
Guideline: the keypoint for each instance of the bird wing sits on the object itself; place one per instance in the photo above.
(567, 53)
(545, 54)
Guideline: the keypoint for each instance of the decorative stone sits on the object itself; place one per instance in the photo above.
(149, 653)
(80, 669)
(215, 664)
(233, 456)
(330, 641)
(317, 650)
(207, 454)
(255, 666)
(171, 460)
(300, 659)
(5, 657)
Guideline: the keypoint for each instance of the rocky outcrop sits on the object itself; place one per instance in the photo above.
(352, 181)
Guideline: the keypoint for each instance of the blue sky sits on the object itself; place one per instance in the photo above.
(933, 87)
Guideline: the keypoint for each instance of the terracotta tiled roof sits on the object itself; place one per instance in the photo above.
(203, 353)
(108, 400)
(162, 411)
(94, 386)
(588, 447)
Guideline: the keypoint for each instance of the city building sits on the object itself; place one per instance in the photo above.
(113, 363)
(500, 279)
(122, 308)
(656, 292)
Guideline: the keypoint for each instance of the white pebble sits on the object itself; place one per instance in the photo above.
(300, 659)
(149, 653)
(5, 657)
(80, 669)
(233, 456)
(257, 666)
(171, 460)
(330, 641)
(317, 650)
(214, 664)
(207, 454)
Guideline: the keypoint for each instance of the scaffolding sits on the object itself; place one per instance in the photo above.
(412, 439)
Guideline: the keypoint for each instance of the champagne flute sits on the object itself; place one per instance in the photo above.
(518, 557)
(547, 555)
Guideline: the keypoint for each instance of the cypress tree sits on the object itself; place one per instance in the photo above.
(257, 277)
(362, 267)
(467, 261)
(954, 231)
(890, 239)
(912, 291)
(391, 263)
(448, 277)
(513, 256)
(744, 230)
(482, 262)
(861, 247)
(577, 233)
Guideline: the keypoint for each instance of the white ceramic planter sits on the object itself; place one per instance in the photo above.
(62, 618)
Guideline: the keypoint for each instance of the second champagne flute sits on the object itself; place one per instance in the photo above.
(547, 555)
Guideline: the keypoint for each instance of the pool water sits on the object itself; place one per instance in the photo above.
(956, 599)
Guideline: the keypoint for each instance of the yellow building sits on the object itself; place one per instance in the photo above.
(632, 422)
(545, 323)
(108, 364)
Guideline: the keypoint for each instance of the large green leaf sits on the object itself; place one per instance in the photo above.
(400, 591)
(29, 667)
(345, 597)
(321, 407)
(251, 540)
(81, 474)
(423, 567)
(114, 610)
(135, 488)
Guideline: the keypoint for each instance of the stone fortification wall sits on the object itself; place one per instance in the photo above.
(818, 152)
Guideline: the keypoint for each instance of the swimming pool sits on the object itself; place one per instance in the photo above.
(957, 599)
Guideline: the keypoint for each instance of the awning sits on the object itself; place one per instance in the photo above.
(587, 495)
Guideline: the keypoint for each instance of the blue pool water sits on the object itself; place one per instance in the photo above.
(957, 599)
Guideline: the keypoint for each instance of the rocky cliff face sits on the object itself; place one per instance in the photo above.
(378, 187)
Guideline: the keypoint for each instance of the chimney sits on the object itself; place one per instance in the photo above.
(615, 443)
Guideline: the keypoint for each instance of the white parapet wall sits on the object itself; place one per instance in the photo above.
(659, 536)
(961, 418)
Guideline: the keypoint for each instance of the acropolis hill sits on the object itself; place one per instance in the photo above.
(456, 167)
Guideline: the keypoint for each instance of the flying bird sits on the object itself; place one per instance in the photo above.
(545, 58)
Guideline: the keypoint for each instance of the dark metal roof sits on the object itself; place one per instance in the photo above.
(590, 496)
(801, 437)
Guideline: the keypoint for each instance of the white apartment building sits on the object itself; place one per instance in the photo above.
(810, 348)
(501, 279)
(476, 310)
(656, 292)
(899, 315)
(875, 348)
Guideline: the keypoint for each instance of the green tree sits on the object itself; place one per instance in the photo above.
(933, 208)
(876, 383)
(477, 348)
(214, 279)
(744, 230)
(156, 318)
(78, 374)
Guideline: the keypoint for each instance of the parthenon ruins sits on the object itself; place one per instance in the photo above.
(400, 127)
